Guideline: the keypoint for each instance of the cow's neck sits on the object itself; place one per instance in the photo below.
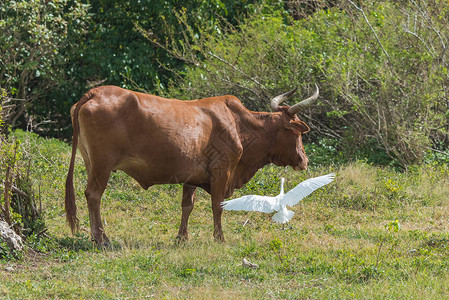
(263, 139)
(258, 135)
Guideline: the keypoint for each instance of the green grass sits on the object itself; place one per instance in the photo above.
(373, 233)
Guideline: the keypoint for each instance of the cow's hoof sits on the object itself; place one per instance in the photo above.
(182, 239)
(103, 244)
(219, 239)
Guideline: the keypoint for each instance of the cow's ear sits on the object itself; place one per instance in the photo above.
(297, 127)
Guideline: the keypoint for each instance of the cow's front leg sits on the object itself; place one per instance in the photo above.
(217, 211)
(217, 195)
(188, 199)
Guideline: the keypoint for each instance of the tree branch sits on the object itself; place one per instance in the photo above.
(370, 26)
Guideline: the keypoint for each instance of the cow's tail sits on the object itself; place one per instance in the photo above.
(70, 205)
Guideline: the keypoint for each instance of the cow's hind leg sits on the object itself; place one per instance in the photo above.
(188, 199)
(96, 185)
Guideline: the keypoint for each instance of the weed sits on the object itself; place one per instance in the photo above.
(390, 227)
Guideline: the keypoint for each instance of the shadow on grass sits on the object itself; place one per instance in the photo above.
(82, 242)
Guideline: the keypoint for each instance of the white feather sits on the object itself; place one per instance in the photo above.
(268, 204)
(251, 203)
(305, 188)
(264, 204)
(283, 215)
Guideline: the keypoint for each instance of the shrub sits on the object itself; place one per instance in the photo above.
(36, 40)
(18, 205)
(382, 69)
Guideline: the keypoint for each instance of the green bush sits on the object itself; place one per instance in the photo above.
(382, 70)
(107, 49)
(18, 202)
(36, 40)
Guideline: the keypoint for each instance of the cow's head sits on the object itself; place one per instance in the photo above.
(288, 148)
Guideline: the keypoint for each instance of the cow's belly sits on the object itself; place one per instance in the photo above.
(165, 170)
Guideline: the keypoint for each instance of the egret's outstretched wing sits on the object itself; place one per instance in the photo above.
(251, 203)
(305, 188)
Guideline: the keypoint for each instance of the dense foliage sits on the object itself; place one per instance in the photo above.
(382, 69)
(37, 40)
(52, 52)
(381, 66)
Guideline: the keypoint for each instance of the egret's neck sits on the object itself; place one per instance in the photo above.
(282, 186)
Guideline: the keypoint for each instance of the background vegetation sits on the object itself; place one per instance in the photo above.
(381, 124)
(51, 52)
(382, 66)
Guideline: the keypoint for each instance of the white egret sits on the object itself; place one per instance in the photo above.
(280, 202)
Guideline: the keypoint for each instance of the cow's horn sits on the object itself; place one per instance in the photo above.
(278, 99)
(304, 103)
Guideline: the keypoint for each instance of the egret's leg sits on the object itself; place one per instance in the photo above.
(288, 224)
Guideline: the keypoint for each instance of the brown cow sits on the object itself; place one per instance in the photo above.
(214, 143)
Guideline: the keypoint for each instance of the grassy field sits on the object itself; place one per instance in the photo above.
(373, 233)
